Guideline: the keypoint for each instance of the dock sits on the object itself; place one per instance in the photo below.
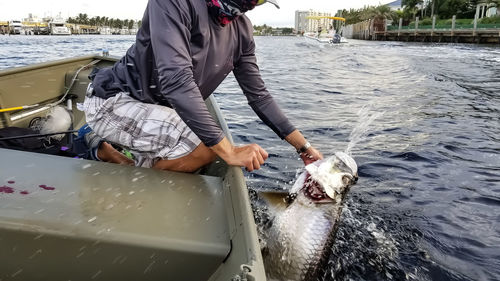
(491, 36)
(451, 33)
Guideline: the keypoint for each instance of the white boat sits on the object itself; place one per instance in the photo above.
(58, 27)
(15, 27)
(325, 39)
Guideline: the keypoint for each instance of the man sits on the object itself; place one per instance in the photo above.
(152, 100)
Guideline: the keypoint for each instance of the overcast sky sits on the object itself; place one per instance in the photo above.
(18, 9)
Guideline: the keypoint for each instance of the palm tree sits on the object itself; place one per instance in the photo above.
(381, 12)
(411, 5)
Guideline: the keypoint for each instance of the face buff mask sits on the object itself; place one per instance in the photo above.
(225, 11)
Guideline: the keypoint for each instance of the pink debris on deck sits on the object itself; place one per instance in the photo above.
(6, 189)
(43, 186)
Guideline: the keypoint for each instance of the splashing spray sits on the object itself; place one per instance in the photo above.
(360, 131)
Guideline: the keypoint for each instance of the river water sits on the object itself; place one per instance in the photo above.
(427, 204)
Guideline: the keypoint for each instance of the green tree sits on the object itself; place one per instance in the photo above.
(131, 24)
(381, 12)
(411, 6)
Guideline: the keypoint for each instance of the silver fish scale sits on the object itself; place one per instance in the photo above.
(294, 253)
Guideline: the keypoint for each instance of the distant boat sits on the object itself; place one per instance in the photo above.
(325, 39)
(15, 27)
(332, 37)
(58, 27)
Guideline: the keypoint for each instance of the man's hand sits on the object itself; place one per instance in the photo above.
(297, 140)
(250, 156)
(311, 155)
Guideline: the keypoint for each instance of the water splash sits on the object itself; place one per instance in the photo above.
(366, 116)
(367, 245)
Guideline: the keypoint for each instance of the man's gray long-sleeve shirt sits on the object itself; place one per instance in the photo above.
(180, 57)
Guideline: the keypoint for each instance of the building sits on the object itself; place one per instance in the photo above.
(485, 9)
(303, 24)
(301, 21)
(395, 5)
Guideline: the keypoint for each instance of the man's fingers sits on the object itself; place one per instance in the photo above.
(260, 158)
(249, 166)
(256, 163)
(263, 153)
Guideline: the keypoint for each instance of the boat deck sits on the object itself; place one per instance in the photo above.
(109, 222)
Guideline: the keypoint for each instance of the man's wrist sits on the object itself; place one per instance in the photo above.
(223, 149)
(304, 148)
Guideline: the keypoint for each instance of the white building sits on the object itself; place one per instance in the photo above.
(303, 24)
(395, 5)
(301, 21)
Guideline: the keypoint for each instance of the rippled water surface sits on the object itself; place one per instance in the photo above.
(426, 206)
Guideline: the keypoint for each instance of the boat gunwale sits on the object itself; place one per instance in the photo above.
(41, 65)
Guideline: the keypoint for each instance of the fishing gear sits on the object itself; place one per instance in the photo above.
(18, 108)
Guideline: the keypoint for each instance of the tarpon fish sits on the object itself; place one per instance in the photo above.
(299, 238)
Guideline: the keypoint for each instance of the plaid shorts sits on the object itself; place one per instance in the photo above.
(151, 132)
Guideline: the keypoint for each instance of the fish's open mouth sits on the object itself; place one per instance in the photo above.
(327, 180)
(314, 191)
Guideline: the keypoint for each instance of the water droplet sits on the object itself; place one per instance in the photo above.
(92, 219)
(116, 259)
(16, 273)
(39, 251)
(148, 269)
(80, 255)
(38, 236)
(131, 193)
(97, 274)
